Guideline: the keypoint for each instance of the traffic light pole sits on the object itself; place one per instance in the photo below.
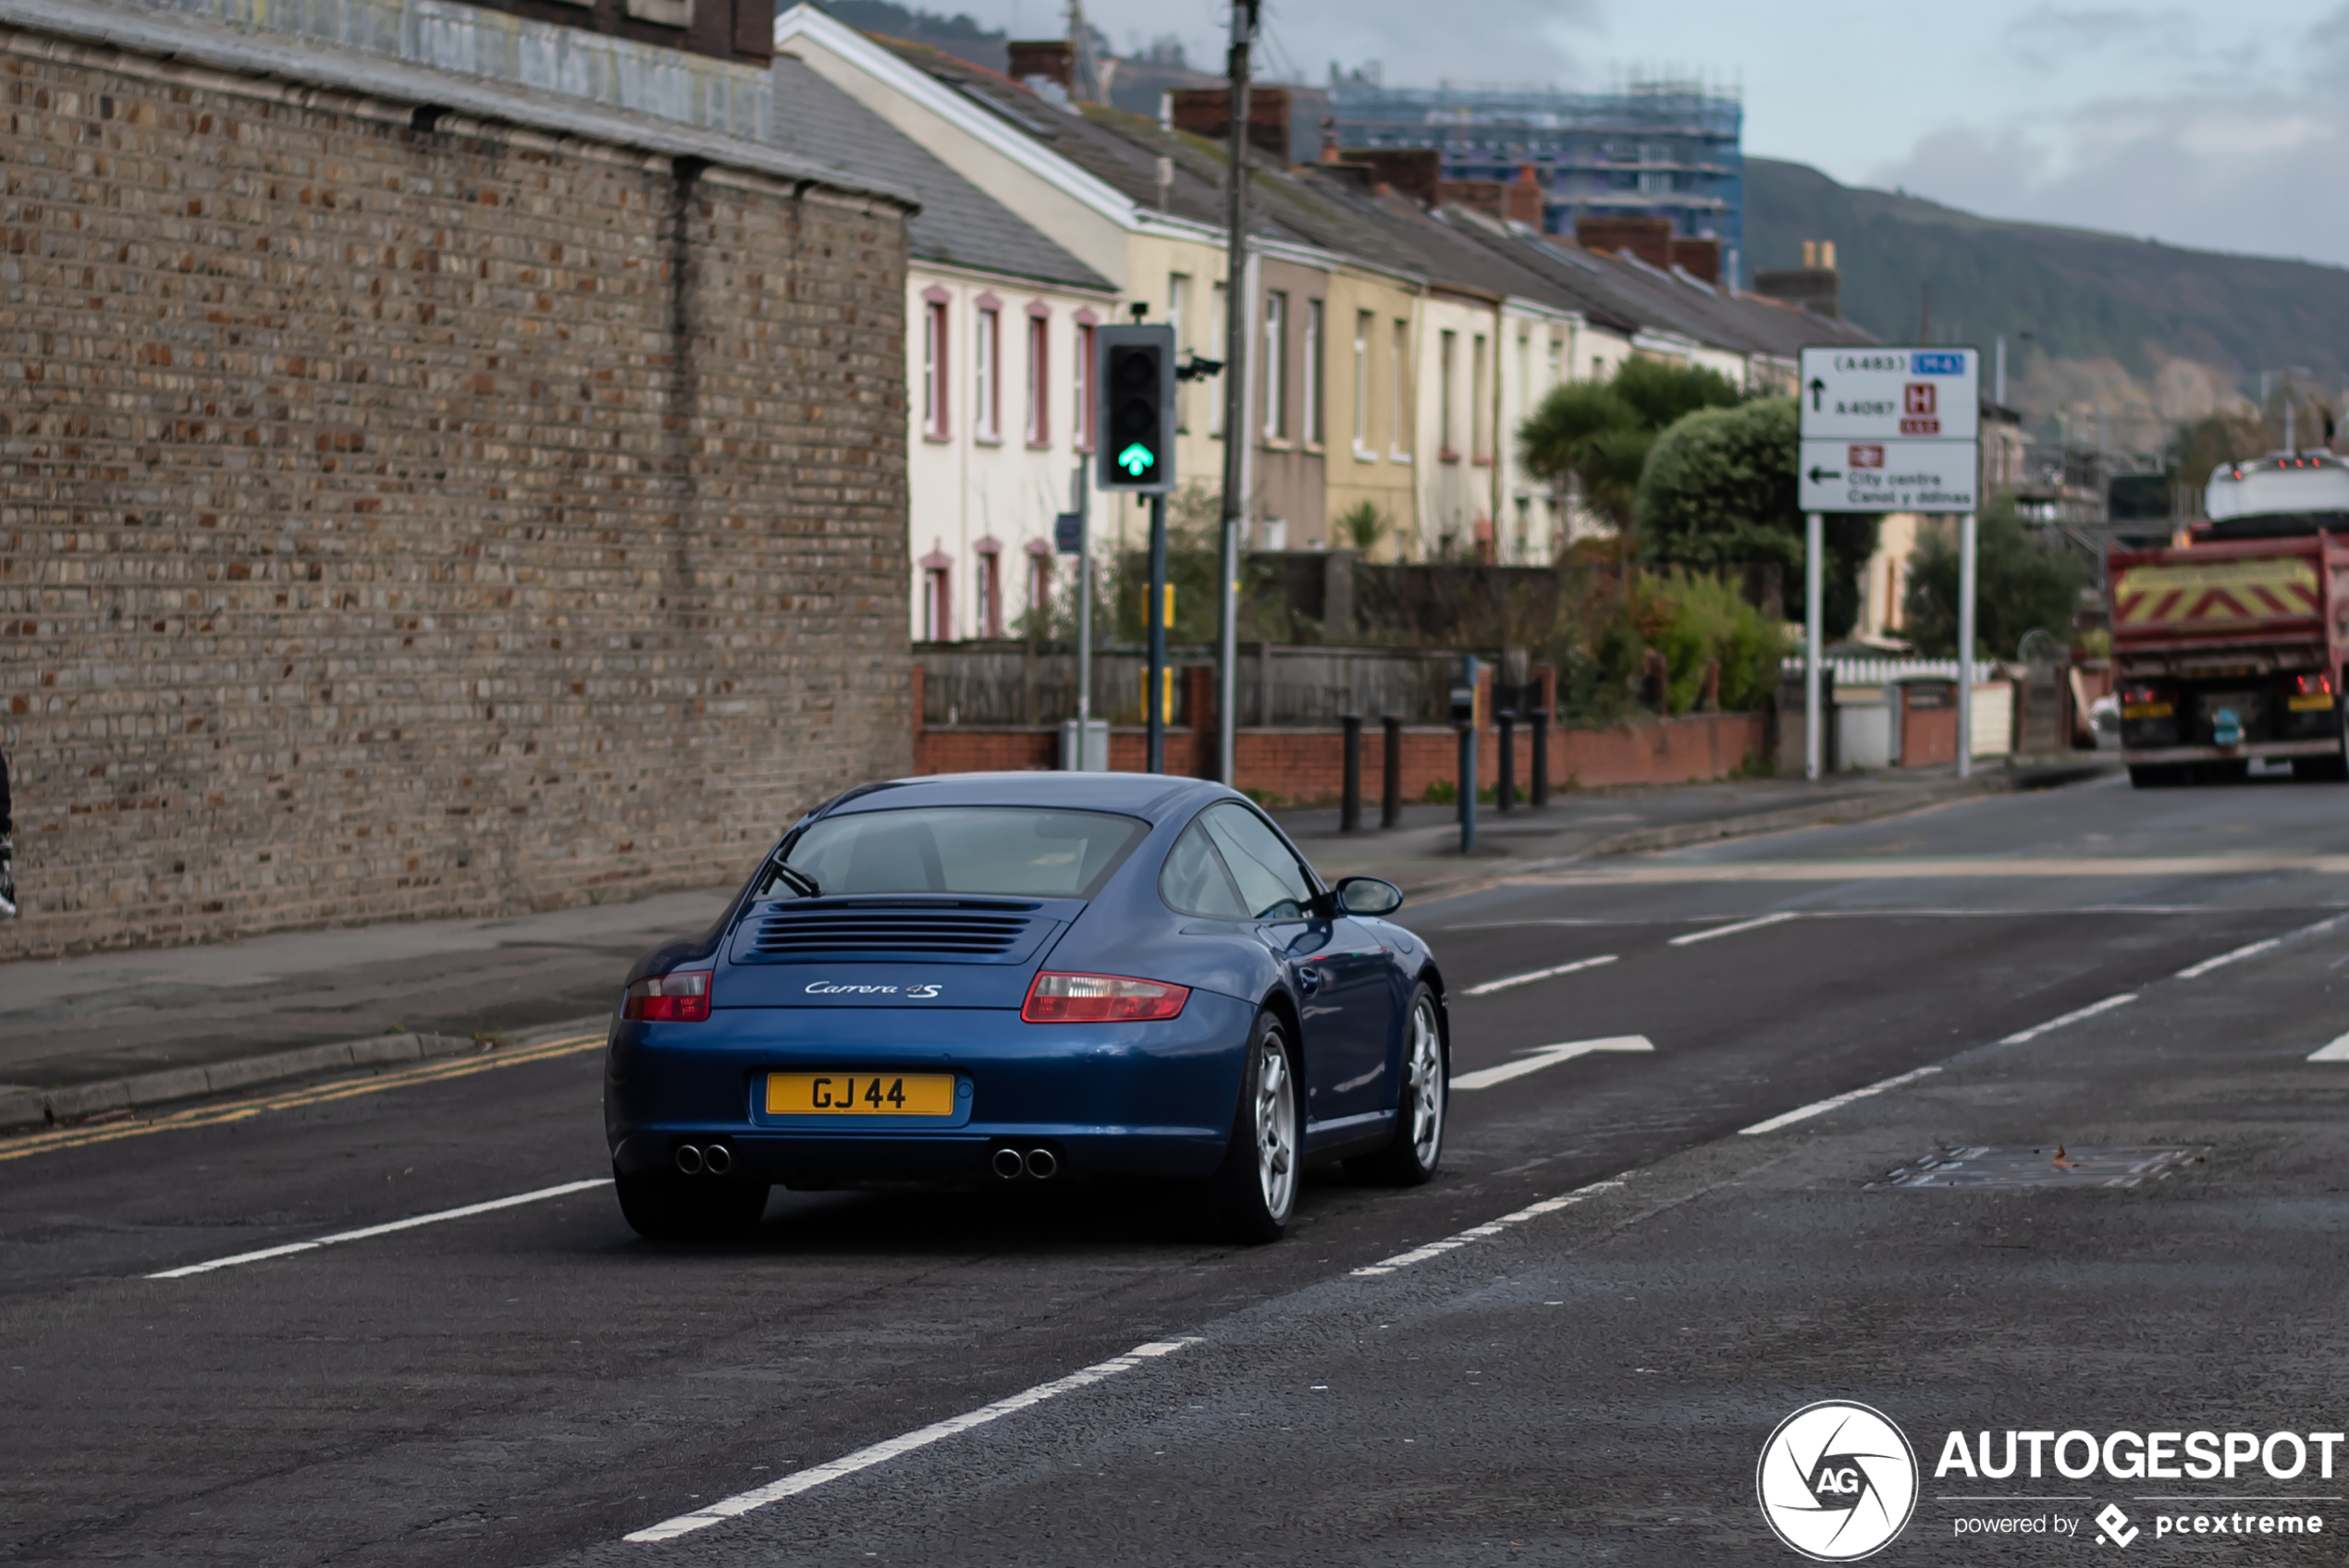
(1155, 614)
(1236, 315)
(1084, 616)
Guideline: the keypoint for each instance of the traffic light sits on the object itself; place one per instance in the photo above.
(1136, 375)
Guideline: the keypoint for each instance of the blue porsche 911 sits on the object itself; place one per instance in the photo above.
(1028, 977)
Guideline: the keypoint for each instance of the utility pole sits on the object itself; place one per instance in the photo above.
(1236, 315)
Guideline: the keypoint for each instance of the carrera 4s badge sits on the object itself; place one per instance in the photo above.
(833, 988)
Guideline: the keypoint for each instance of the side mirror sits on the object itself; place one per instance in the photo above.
(1367, 895)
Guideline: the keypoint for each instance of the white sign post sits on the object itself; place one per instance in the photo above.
(1889, 430)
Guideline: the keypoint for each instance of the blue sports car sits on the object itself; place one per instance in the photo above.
(1028, 977)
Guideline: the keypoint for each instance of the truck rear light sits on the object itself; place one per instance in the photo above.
(681, 998)
(2317, 684)
(1101, 998)
(2145, 699)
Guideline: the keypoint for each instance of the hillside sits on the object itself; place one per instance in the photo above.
(2086, 297)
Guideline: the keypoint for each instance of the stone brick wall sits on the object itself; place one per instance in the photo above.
(403, 516)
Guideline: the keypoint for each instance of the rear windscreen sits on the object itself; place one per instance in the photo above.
(1015, 851)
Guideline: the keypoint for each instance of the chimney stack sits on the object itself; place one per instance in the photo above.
(1525, 195)
(1207, 112)
(1050, 58)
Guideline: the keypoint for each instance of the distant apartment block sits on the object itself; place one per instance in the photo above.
(1657, 148)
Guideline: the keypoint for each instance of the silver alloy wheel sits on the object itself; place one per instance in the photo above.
(1427, 1083)
(1275, 1130)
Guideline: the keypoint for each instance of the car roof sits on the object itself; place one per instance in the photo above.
(1152, 796)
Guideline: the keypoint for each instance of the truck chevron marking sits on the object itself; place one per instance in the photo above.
(2218, 593)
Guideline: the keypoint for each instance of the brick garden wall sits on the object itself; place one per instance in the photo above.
(407, 518)
(1308, 765)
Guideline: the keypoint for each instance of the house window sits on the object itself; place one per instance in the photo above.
(1310, 369)
(991, 590)
(1446, 349)
(988, 414)
(1398, 404)
(938, 605)
(1275, 365)
(1223, 319)
(1557, 352)
(1363, 323)
(1039, 413)
(1479, 405)
(1081, 389)
(1525, 370)
(934, 368)
(1178, 300)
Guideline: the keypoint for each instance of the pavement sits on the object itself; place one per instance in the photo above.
(97, 1034)
(1892, 1072)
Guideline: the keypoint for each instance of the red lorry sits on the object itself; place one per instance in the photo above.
(2231, 645)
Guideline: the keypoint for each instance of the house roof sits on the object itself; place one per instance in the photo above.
(959, 225)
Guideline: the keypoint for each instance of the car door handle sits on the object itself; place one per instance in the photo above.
(1309, 979)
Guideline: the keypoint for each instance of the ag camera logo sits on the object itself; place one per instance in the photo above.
(1838, 1481)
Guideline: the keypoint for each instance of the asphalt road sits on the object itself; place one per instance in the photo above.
(1588, 1381)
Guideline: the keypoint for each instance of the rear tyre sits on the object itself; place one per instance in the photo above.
(1253, 1194)
(661, 1205)
(1424, 1104)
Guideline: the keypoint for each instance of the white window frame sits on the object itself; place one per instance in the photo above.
(1400, 407)
(987, 422)
(1039, 366)
(1365, 322)
(935, 323)
(1309, 371)
(1275, 381)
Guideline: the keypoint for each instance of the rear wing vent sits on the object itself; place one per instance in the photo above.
(784, 933)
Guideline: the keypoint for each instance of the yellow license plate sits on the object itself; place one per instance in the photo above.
(860, 1093)
(2146, 710)
(2314, 701)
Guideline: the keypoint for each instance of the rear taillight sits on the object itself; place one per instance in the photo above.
(681, 998)
(1101, 998)
(2318, 684)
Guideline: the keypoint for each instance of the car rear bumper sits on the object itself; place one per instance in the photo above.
(1140, 1099)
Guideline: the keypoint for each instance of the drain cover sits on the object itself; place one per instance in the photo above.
(2053, 1165)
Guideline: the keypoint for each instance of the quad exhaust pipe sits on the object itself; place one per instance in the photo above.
(693, 1159)
(1037, 1164)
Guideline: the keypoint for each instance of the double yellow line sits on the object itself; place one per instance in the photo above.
(292, 1100)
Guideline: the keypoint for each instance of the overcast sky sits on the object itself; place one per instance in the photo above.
(2222, 125)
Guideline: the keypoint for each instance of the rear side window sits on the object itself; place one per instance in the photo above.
(1272, 884)
(1001, 849)
(1195, 882)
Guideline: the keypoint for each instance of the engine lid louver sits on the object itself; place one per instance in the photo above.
(972, 933)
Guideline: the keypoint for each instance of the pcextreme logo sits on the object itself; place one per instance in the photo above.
(1838, 1481)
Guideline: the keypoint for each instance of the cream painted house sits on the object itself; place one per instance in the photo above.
(999, 342)
(1079, 188)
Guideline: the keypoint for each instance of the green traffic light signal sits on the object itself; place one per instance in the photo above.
(1137, 459)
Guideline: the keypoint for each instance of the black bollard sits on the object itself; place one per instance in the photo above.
(1390, 793)
(1505, 784)
(1540, 769)
(1350, 800)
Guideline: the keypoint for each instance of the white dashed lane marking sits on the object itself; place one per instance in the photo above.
(1490, 1229)
(1526, 979)
(1754, 924)
(1548, 1056)
(881, 1452)
(367, 1233)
